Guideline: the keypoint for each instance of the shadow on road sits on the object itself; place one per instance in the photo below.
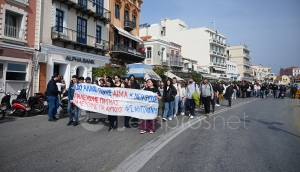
(271, 126)
(7, 119)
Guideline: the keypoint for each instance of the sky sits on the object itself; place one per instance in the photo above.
(270, 28)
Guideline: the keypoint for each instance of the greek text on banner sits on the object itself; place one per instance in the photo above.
(116, 101)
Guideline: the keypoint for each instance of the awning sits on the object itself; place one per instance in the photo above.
(150, 74)
(128, 34)
(220, 69)
(140, 70)
(171, 75)
(209, 76)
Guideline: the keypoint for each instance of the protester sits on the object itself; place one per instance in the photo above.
(133, 82)
(234, 91)
(169, 100)
(96, 83)
(88, 80)
(228, 93)
(144, 86)
(102, 83)
(160, 101)
(112, 119)
(118, 81)
(263, 91)
(293, 92)
(178, 97)
(52, 96)
(275, 90)
(71, 92)
(182, 103)
(191, 89)
(207, 94)
(150, 125)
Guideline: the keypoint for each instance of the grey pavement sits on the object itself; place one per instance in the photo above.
(268, 138)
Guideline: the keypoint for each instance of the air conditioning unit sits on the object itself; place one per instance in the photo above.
(40, 57)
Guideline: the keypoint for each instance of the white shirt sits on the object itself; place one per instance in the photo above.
(59, 86)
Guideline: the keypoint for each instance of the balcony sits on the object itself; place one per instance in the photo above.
(214, 52)
(14, 34)
(248, 63)
(247, 71)
(165, 63)
(176, 63)
(23, 3)
(78, 40)
(217, 64)
(128, 25)
(247, 56)
(214, 41)
(128, 54)
(98, 12)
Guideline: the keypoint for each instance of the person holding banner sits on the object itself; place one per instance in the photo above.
(169, 99)
(112, 119)
(71, 92)
(150, 125)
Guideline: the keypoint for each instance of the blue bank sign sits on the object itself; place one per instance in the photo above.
(80, 60)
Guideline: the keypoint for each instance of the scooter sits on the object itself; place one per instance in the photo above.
(5, 104)
(64, 104)
(282, 94)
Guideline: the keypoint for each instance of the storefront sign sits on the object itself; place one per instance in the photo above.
(80, 60)
(116, 101)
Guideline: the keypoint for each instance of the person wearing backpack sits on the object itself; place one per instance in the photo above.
(206, 94)
(192, 97)
(178, 97)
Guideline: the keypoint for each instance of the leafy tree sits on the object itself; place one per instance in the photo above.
(197, 76)
(160, 71)
(110, 71)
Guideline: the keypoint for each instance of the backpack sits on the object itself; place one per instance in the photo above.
(195, 96)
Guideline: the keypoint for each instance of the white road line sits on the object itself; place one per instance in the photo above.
(139, 158)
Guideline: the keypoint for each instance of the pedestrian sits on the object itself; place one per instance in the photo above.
(178, 96)
(275, 90)
(206, 94)
(192, 94)
(150, 125)
(234, 91)
(293, 92)
(183, 101)
(258, 90)
(263, 91)
(52, 96)
(81, 79)
(228, 93)
(133, 82)
(169, 100)
(112, 119)
(88, 80)
(71, 104)
(160, 101)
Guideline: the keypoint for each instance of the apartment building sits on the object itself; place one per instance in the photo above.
(202, 44)
(241, 55)
(231, 72)
(17, 43)
(296, 71)
(287, 71)
(126, 45)
(262, 74)
(74, 38)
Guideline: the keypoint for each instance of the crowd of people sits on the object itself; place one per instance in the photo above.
(174, 97)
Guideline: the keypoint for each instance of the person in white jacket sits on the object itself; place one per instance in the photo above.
(178, 97)
(190, 90)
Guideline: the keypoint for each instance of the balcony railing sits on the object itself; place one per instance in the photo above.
(218, 64)
(165, 63)
(247, 55)
(215, 41)
(14, 32)
(247, 62)
(69, 36)
(128, 25)
(176, 63)
(125, 49)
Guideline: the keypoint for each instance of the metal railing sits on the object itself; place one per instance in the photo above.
(76, 37)
(176, 63)
(247, 55)
(14, 32)
(165, 62)
(128, 24)
(120, 47)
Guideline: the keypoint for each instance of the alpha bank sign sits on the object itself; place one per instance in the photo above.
(79, 60)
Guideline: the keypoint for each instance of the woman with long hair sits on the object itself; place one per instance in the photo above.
(112, 119)
(169, 100)
(182, 103)
(150, 125)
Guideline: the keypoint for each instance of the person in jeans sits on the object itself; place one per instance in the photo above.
(275, 90)
(189, 91)
(52, 96)
(71, 92)
(182, 103)
(178, 97)
(169, 100)
(207, 94)
(263, 91)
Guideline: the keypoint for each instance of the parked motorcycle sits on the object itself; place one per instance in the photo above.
(18, 106)
(64, 104)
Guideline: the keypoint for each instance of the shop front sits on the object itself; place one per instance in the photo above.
(66, 63)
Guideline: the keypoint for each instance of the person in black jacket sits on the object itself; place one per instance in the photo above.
(169, 99)
(133, 82)
(293, 92)
(52, 96)
(228, 94)
(275, 90)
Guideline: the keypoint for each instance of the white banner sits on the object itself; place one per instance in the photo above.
(116, 101)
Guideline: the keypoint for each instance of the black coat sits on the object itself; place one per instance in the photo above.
(52, 89)
(229, 91)
(169, 94)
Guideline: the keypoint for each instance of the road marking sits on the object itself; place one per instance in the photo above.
(139, 158)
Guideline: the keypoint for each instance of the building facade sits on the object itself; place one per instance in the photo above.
(241, 55)
(126, 45)
(296, 71)
(17, 43)
(203, 44)
(231, 73)
(287, 71)
(74, 38)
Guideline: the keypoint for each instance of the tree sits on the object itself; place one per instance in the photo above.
(110, 71)
(197, 76)
(160, 71)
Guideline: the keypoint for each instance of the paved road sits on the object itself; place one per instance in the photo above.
(265, 137)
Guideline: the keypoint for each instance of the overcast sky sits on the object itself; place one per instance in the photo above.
(271, 28)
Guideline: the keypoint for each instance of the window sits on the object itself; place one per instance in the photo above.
(116, 37)
(16, 72)
(126, 15)
(149, 52)
(134, 21)
(12, 26)
(117, 11)
(59, 20)
(172, 57)
(98, 34)
(81, 30)
(177, 58)
(82, 3)
(133, 43)
(99, 7)
(126, 41)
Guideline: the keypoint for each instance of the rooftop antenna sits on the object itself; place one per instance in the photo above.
(214, 22)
